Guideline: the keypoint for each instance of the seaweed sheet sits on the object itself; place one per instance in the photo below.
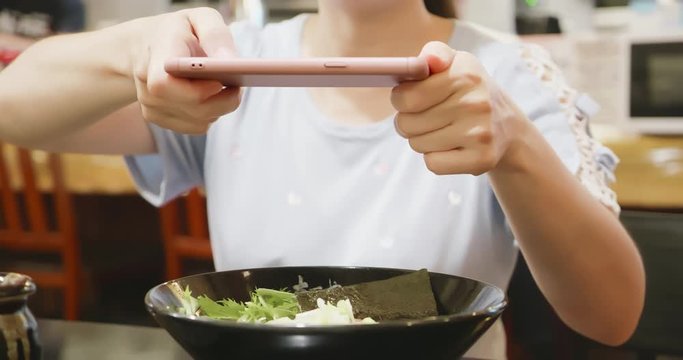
(406, 296)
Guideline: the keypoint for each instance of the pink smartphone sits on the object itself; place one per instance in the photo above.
(303, 72)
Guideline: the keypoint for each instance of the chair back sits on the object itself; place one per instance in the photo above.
(37, 216)
(185, 232)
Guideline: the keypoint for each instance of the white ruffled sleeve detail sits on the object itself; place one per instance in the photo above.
(596, 162)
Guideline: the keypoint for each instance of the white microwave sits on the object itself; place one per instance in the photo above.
(654, 95)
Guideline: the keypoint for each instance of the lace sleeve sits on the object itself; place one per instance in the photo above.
(597, 163)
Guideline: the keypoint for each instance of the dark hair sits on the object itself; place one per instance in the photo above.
(443, 8)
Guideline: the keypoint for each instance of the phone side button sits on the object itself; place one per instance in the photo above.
(335, 65)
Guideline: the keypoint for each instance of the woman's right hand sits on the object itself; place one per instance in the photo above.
(186, 106)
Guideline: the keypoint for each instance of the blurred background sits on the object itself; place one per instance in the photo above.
(107, 246)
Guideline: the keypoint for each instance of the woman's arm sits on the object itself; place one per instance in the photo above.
(64, 84)
(55, 93)
(583, 260)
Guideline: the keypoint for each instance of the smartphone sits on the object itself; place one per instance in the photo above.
(302, 72)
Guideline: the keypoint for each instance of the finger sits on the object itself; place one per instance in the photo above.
(464, 161)
(183, 91)
(466, 73)
(213, 34)
(191, 119)
(445, 139)
(418, 96)
(439, 56)
(413, 124)
(207, 112)
(222, 103)
(459, 135)
(461, 105)
(178, 42)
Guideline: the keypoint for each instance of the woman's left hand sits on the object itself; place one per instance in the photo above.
(457, 117)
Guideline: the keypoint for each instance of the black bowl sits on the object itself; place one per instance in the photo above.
(467, 307)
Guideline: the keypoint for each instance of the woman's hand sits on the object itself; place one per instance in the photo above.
(187, 106)
(464, 124)
(457, 117)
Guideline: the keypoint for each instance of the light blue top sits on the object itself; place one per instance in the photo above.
(287, 185)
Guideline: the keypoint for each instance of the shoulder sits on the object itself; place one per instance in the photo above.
(526, 71)
(499, 52)
(480, 36)
(528, 74)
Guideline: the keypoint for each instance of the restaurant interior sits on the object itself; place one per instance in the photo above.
(78, 227)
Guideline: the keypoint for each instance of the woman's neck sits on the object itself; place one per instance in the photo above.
(372, 28)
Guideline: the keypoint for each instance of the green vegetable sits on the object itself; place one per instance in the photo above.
(265, 305)
(189, 304)
(224, 309)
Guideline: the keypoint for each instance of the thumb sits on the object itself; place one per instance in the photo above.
(213, 34)
(439, 56)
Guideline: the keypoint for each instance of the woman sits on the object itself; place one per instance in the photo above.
(320, 176)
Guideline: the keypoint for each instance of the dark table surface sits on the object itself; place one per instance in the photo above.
(74, 340)
(77, 340)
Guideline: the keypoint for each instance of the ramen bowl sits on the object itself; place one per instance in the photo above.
(467, 308)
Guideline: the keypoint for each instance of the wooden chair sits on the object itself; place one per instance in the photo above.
(185, 232)
(30, 224)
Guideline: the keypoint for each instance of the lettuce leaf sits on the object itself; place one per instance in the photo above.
(265, 305)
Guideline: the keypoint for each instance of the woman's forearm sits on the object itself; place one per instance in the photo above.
(59, 88)
(65, 83)
(582, 258)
